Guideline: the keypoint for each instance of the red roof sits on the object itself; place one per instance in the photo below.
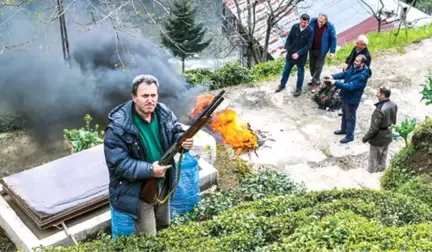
(368, 25)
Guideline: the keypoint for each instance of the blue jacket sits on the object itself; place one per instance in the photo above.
(355, 81)
(329, 39)
(299, 42)
(125, 158)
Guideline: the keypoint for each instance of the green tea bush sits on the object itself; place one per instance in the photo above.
(398, 171)
(83, 138)
(231, 75)
(333, 220)
(201, 76)
(265, 183)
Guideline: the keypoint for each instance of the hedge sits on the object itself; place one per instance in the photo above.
(332, 220)
(234, 74)
(410, 170)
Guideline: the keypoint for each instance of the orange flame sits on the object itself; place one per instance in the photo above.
(226, 123)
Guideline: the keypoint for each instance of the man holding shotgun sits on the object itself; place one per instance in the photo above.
(139, 134)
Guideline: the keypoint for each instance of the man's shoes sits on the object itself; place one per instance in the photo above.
(279, 88)
(297, 92)
(340, 132)
(314, 87)
(346, 140)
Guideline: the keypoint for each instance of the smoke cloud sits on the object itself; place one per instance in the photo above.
(51, 94)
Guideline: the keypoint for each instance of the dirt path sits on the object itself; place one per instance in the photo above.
(303, 134)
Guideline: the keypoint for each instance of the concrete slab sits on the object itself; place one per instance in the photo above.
(26, 236)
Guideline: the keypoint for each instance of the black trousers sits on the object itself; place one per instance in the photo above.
(316, 63)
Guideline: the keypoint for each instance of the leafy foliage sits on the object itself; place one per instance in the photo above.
(410, 170)
(333, 220)
(252, 187)
(404, 129)
(399, 170)
(183, 35)
(83, 138)
(229, 75)
(427, 91)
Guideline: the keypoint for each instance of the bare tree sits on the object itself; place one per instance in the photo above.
(273, 13)
(380, 14)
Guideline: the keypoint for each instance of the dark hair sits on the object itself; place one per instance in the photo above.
(305, 17)
(362, 58)
(385, 91)
(148, 79)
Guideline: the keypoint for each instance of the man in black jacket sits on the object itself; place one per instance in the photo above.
(379, 134)
(360, 48)
(138, 134)
(297, 45)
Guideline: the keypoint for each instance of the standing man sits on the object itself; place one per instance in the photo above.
(297, 45)
(324, 41)
(360, 48)
(138, 134)
(355, 80)
(379, 134)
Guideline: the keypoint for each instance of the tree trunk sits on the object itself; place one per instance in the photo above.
(267, 38)
(183, 64)
(379, 25)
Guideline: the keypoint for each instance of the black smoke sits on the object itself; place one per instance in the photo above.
(50, 94)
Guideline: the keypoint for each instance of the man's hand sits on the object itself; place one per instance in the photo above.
(187, 143)
(331, 55)
(295, 56)
(158, 170)
(332, 82)
(345, 66)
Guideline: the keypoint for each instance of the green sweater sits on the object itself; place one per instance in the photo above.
(149, 135)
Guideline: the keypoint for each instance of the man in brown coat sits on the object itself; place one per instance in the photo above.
(379, 134)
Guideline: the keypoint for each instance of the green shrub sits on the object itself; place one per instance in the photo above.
(201, 76)
(419, 187)
(83, 138)
(267, 182)
(268, 69)
(427, 91)
(404, 129)
(333, 220)
(399, 170)
(231, 75)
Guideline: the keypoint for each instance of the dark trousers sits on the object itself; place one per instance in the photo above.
(348, 123)
(287, 70)
(316, 63)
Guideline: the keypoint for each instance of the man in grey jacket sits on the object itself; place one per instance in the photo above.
(379, 134)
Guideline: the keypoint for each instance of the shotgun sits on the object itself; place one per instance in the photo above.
(149, 191)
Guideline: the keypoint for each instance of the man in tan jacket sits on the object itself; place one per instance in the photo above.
(379, 134)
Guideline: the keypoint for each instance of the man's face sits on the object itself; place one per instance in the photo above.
(303, 23)
(360, 45)
(358, 62)
(321, 21)
(146, 98)
(380, 95)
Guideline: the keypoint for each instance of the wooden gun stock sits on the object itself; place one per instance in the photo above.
(148, 192)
